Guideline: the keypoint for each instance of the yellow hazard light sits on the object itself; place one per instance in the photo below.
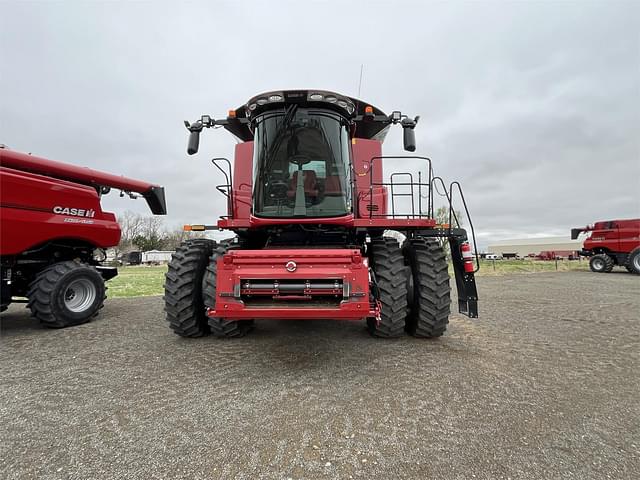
(186, 228)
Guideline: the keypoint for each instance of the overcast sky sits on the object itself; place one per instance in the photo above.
(534, 107)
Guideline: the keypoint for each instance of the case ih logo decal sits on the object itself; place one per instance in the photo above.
(291, 266)
(76, 212)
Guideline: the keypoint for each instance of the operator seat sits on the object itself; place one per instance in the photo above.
(310, 184)
(332, 186)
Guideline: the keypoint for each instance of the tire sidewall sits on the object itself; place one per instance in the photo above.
(58, 307)
(634, 260)
(597, 264)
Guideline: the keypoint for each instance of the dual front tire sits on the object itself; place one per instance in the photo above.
(412, 285)
(190, 288)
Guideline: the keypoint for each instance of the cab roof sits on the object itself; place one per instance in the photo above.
(349, 107)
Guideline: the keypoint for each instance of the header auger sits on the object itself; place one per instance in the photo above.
(318, 226)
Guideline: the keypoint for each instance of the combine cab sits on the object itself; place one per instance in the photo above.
(320, 233)
(53, 233)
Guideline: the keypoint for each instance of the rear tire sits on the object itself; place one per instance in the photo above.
(430, 302)
(219, 326)
(66, 294)
(183, 288)
(601, 263)
(633, 262)
(390, 274)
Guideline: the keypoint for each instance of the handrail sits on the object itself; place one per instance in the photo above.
(411, 194)
(435, 181)
(228, 186)
(466, 209)
(391, 184)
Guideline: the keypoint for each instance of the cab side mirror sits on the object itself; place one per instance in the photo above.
(194, 136)
(194, 142)
(409, 139)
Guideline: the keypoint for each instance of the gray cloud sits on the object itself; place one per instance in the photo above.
(534, 107)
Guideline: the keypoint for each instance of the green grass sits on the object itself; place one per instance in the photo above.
(137, 281)
(507, 267)
(141, 281)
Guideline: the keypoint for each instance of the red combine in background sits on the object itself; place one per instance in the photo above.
(610, 243)
(318, 226)
(557, 255)
(52, 232)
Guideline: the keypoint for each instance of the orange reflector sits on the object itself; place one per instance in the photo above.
(186, 228)
(232, 114)
(198, 228)
(368, 109)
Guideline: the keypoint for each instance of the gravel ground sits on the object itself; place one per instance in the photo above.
(544, 385)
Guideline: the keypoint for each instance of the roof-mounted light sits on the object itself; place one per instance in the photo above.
(264, 99)
(332, 98)
(256, 103)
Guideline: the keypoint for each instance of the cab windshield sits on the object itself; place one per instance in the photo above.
(301, 161)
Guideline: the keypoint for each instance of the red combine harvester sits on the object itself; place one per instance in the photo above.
(307, 199)
(52, 229)
(614, 242)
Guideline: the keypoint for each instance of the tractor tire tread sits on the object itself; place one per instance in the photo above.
(219, 326)
(40, 295)
(390, 273)
(429, 314)
(608, 263)
(631, 265)
(183, 302)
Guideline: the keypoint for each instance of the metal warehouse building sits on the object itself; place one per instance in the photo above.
(526, 246)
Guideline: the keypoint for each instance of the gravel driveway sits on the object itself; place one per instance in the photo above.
(545, 384)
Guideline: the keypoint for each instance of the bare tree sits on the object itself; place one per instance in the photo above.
(174, 238)
(152, 227)
(442, 217)
(149, 233)
(131, 226)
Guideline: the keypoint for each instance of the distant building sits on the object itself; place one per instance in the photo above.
(157, 256)
(523, 247)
